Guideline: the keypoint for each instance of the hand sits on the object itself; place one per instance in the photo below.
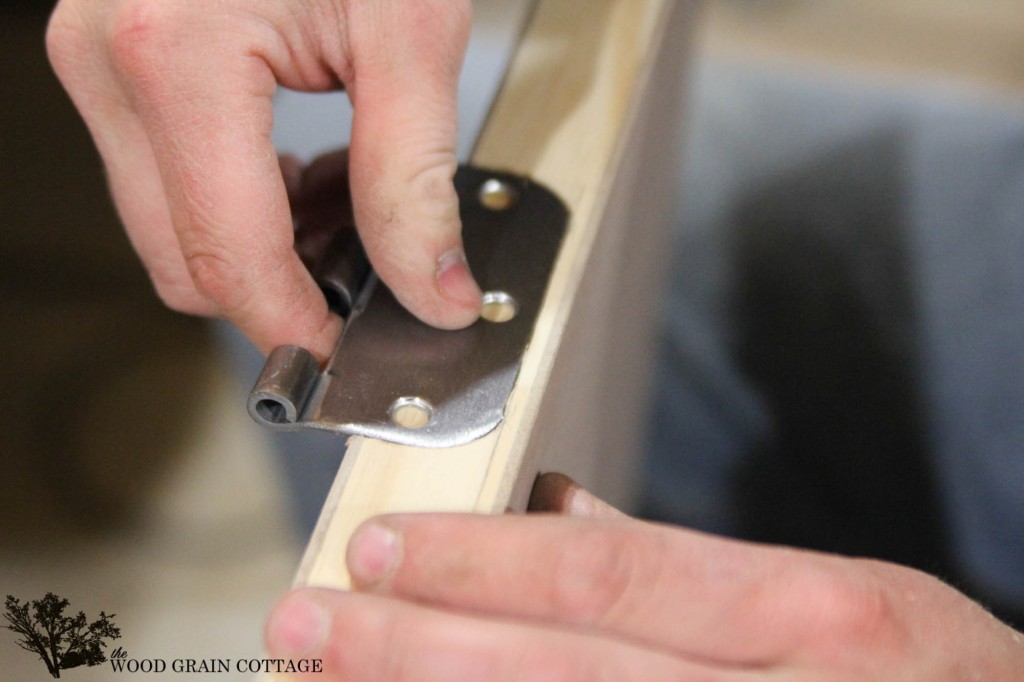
(178, 98)
(544, 597)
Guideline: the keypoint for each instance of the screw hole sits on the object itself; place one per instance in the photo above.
(410, 412)
(497, 306)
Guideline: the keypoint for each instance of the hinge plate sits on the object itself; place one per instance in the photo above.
(397, 379)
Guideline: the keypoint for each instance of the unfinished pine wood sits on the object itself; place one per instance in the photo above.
(589, 109)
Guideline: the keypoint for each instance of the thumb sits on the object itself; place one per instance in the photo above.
(406, 58)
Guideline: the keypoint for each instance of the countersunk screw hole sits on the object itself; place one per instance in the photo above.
(272, 411)
(410, 412)
(497, 306)
(498, 195)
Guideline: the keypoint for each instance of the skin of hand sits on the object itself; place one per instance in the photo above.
(178, 97)
(590, 594)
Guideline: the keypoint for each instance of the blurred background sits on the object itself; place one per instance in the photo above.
(842, 364)
(842, 331)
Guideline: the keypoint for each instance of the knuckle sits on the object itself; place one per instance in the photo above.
(598, 572)
(432, 178)
(139, 34)
(215, 277)
(846, 610)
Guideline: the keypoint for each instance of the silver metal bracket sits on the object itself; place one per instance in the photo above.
(395, 378)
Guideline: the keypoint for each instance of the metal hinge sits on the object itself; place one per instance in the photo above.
(395, 378)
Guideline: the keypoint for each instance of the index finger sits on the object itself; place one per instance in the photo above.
(406, 61)
(210, 133)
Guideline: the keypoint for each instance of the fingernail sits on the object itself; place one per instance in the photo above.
(373, 553)
(454, 278)
(584, 504)
(299, 626)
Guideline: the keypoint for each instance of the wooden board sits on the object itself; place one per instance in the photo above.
(972, 41)
(589, 108)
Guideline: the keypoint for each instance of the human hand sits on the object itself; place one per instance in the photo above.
(178, 98)
(544, 597)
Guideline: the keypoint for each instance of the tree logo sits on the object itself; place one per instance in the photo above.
(61, 641)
